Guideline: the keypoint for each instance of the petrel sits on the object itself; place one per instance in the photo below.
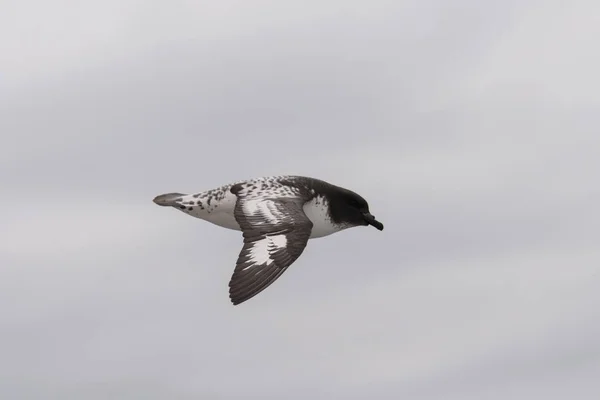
(277, 215)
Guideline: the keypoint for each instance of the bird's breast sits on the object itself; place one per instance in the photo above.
(317, 211)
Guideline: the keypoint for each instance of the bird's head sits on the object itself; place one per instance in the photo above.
(351, 208)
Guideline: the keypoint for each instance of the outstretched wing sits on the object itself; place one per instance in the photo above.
(275, 232)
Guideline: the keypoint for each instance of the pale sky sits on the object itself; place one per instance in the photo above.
(471, 127)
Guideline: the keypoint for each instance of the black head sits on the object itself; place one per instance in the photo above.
(348, 207)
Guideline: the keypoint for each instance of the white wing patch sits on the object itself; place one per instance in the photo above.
(279, 241)
(260, 252)
(265, 209)
(252, 207)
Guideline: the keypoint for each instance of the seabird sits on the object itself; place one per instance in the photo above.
(277, 215)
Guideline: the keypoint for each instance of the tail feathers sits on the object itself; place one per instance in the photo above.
(169, 199)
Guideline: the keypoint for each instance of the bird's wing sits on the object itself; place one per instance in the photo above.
(275, 232)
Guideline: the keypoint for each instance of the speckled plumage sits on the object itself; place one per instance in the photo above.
(277, 215)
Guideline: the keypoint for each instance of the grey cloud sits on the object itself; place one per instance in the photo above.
(470, 128)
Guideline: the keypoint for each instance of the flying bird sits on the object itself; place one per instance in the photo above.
(277, 215)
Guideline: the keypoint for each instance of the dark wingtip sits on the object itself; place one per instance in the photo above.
(169, 199)
(235, 300)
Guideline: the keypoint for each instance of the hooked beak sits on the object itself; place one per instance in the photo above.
(372, 221)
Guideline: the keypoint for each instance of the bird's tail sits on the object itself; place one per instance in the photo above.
(169, 199)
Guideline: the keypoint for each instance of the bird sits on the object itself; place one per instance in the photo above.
(277, 215)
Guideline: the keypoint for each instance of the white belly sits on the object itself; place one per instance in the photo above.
(218, 212)
(316, 211)
(224, 219)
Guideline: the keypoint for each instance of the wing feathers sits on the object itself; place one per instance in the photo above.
(275, 233)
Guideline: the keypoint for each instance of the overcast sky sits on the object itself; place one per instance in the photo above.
(471, 127)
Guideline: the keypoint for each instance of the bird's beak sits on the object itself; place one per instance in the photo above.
(372, 221)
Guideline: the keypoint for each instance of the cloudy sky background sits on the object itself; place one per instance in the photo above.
(471, 127)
